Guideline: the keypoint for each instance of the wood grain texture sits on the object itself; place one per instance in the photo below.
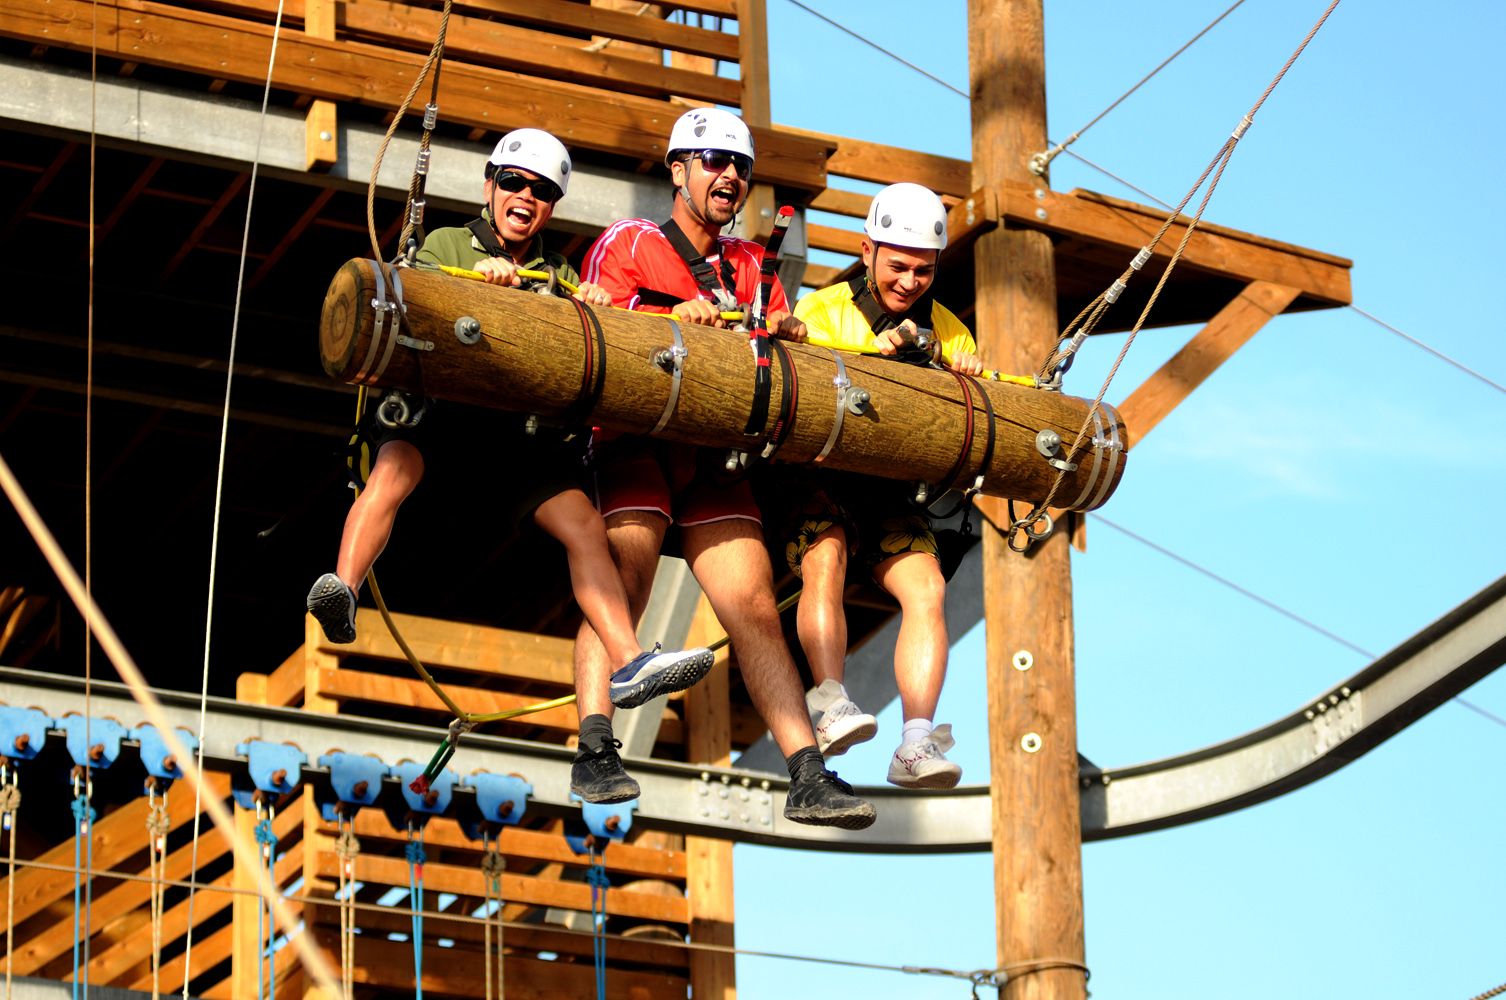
(1027, 599)
(342, 70)
(915, 428)
(1210, 347)
(447, 645)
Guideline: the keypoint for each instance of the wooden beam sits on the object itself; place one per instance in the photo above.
(447, 645)
(208, 953)
(247, 966)
(41, 947)
(321, 198)
(488, 42)
(285, 684)
(708, 740)
(200, 42)
(652, 31)
(819, 275)
(844, 241)
(1027, 599)
(465, 881)
(1214, 344)
(881, 164)
(210, 217)
(125, 202)
(117, 837)
(839, 202)
(321, 142)
(532, 845)
(456, 972)
(357, 685)
(64, 154)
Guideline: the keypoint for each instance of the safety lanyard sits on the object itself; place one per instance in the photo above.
(723, 292)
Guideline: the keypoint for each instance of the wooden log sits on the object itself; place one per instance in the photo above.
(913, 429)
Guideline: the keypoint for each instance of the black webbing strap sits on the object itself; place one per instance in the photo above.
(758, 325)
(988, 456)
(700, 269)
(878, 319)
(593, 371)
(487, 237)
(967, 438)
(654, 297)
(789, 401)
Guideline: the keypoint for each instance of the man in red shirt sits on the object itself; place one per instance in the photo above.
(686, 269)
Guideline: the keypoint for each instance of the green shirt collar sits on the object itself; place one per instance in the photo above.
(537, 259)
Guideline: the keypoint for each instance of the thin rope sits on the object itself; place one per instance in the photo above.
(1491, 993)
(314, 964)
(1112, 176)
(219, 481)
(347, 847)
(1270, 604)
(158, 825)
(1433, 351)
(10, 802)
(492, 867)
(416, 859)
(1099, 305)
(89, 479)
(880, 48)
(1046, 158)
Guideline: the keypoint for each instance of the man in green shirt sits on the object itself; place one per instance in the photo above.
(527, 174)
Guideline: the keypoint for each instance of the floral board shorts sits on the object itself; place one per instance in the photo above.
(887, 531)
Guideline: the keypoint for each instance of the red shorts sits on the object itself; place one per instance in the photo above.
(659, 476)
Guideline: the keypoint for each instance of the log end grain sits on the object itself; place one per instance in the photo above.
(341, 317)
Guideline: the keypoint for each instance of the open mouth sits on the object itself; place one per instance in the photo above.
(724, 196)
(520, 217)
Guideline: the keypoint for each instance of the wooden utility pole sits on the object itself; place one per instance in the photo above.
(1027, 599)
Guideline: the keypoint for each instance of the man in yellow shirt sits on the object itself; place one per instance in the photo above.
(870, 521)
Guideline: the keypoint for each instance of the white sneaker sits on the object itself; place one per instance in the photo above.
(842, 723)
(923, 764)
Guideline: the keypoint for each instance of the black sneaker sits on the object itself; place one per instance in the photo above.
(597, 775)
(820, 798)
(653, 673)
(333, 606)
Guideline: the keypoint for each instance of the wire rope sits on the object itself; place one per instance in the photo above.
(1433, 351)
(1270, 604)
(219, 478)
(880, 48)
(1041, 161)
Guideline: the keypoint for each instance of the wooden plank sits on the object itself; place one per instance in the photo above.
(372, 868)
(839, 202)
(567, 15)
(208, 953)
(285, 684)
(246, 963)
(357, 685)
(446, 645)
(708, 740)
(881, 164)
(210, 44)
(534, 845)
(317, 661)
(503, 46)
(1214, 344)
(456, 972)
(831, 238)
(210, 217)
(819, 275)
(753, 58)
(117, 836)
(1226, 252)
(37, 949)
(321, 126)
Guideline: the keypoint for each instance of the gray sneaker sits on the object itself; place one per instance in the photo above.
(923, 763)
(842, 724)
(333, 606)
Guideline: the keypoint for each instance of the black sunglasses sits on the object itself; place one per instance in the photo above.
(543, 190)
(716, 160)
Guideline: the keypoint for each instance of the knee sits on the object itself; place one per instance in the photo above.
(925, 592)
(825, 559)
(399, 468)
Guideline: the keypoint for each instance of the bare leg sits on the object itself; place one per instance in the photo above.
(820, 620)
(920, 655)
(731, 564)
(570, 518)
(368, 526)
(633, 538)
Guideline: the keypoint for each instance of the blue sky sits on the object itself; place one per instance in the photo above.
(1329, 466)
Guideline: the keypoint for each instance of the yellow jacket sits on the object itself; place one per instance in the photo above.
(830, 313)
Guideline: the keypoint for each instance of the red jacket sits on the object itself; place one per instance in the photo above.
(635, 254)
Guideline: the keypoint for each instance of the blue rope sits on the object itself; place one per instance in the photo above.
(83, 818)
(268, 985)
(416, 858)
(597, 876)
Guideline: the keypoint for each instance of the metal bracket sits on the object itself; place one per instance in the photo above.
(433, 802)
(1049, 444)
(605, 821)
(22, 732)
(417, 345)
(842, 384)
(672, 360)
(501, 799)
(355, 780)
(158, 760)
(274, 768)
(96, 747)
(740, 806)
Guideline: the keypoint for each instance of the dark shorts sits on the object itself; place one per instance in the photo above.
(879, 524)
(682, 482)
(466, 446)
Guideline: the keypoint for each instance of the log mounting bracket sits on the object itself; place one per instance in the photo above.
(1049, 443)
(468, 330)
(671, 360)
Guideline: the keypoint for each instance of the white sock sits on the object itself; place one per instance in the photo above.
(916, 730)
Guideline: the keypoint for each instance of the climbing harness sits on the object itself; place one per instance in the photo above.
(83, 826)
(1082, 325)
(414, 851)
(10, 802)
(266, 925)
(158, 825)
(597, 876)
(347, 849)
(758, 327)
(492, 867)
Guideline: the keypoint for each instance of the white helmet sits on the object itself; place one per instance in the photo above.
(534, 150)
(709, 128)
(907, 215)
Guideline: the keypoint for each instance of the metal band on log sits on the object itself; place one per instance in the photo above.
(531, 348)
